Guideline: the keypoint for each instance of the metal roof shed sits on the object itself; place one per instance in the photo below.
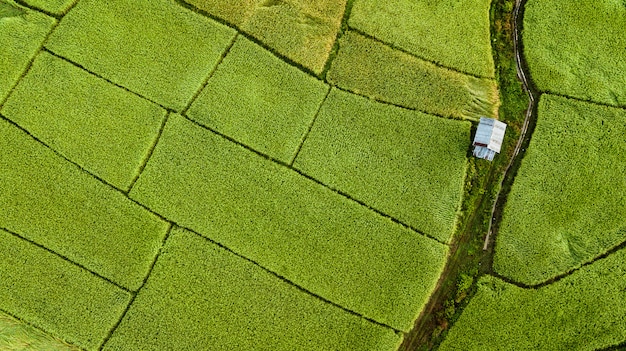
(488, 139)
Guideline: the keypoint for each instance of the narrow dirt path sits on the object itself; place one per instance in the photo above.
(526, 131)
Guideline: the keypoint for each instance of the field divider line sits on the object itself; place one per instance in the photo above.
(397, 48)
(148, 155)
(135, 293)
(337, 191)
(30, 63)
(112, 187)
(614, 249)
(210, 75)
(604, 104)
(40, 10)
(388, 103)
(40, 329)
(291, 283)
(306, 134)
(76, 64)
(101, 180)
(64, 258)
(343, 28)
(250, 37)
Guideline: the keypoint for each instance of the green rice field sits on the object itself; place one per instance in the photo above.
(584, 192)
(584, 311)
(576, 48)
(298, 175)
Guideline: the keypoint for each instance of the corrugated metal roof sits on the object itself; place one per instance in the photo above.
(490, 134)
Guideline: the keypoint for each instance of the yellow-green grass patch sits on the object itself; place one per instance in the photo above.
(53, 203)
(55, 295)
(454, 34)
(155, 48)
(22, 33)
(568, 203)
(291, 225)
(103, 128)
(259, 100)
(303, 31)
(578, 48)
(582, 312)
(202, 297)
(406, 164)
(371, 68)
(15, 335)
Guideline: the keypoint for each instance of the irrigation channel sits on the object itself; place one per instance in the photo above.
(423, 336)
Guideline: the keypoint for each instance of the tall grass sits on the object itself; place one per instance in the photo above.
(577, 48)
(202, 297)
(155, 48)
(584, 312)
(454, 34)
(406, 164)
(368, 67)
(291, 225)
(568, 202)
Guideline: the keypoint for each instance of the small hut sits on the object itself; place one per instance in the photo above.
(488, 139)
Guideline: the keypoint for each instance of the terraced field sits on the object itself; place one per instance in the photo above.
(202, 175)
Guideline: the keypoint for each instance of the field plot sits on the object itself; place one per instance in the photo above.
(585, 311)
(368, 67)
(406, 164)
(302, 30)
(51, 202)
(568, 203)
(103, 128)
(22, 33)
(55, 295)
(454, 34)
(202, 297)
(290, 225)
(577, 48)
(259, 100)
(153, 47)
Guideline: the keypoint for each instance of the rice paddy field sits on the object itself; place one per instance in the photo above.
(297, 175)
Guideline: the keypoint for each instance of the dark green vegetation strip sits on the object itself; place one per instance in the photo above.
(155, 48)
(103, 128)
(259, 100)
(22, 33)
(454, 34)
(369, 67)
(584, 311)
(202, 297)
(568, 203)
(16, 335)
(318, 239)
(57, 7)
(55, 295)
(53, 203)
(404, 163)
(578, 48)
(302, 30)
